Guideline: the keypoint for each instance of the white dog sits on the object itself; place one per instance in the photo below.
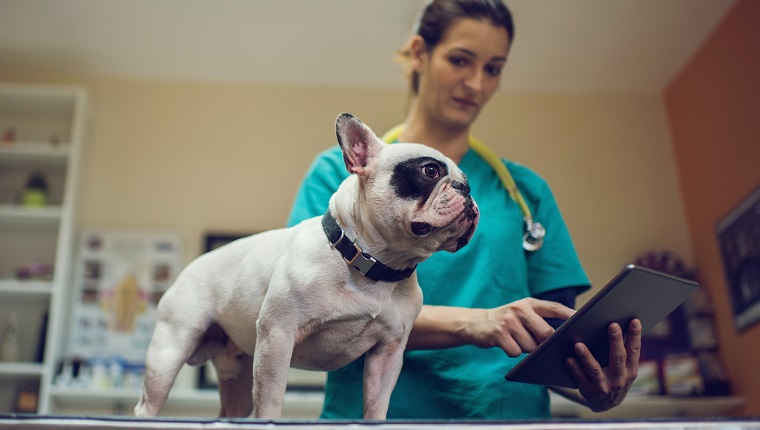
(320, 294)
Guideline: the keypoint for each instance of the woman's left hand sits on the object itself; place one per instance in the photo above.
(605, 388)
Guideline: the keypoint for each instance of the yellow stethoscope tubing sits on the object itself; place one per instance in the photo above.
(489, 157)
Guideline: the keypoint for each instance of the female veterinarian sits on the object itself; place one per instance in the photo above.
(489, 298)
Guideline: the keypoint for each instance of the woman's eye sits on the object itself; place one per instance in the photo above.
(458, 61)
(431, 171)
(493, 70)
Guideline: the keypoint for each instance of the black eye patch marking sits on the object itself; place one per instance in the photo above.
(412, 179)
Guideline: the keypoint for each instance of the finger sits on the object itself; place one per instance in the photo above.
(591, 368)
(617, 365)
(536, 329)
(534, 320)
(509, 346)
(633, 346)
(577, 371)
(525, 340)
(548, 309)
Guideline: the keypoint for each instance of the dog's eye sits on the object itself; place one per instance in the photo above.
(431, 171)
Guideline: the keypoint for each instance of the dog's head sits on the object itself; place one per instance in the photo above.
(413, 195)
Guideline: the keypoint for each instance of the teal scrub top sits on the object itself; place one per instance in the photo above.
(492, 270)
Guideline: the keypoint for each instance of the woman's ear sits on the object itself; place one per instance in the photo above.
(418, 52)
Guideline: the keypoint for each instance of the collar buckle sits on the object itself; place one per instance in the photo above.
(354, 256)
(360, 262)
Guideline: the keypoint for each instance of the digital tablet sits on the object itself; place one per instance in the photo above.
(635, 292)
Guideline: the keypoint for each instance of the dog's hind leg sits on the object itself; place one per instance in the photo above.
(171, 346)
(234, 371)
(235, 394)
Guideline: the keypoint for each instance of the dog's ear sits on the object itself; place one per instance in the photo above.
(357, 141)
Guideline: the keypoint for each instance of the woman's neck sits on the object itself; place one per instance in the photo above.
(452, 142)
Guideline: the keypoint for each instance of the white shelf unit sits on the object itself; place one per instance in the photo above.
(41, 131)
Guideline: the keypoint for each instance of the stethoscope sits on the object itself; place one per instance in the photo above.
(534, 232)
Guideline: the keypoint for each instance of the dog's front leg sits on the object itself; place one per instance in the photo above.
(381, 369)
(271, 361)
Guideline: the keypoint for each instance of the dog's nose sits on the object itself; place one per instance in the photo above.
(463, 188)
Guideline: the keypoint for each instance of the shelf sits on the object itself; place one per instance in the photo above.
(107, 398)
(33, 152)
(14, 290)
(16, 214)
(651, 407)
(205, 402)
(15, 370)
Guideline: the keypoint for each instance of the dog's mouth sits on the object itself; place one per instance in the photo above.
(421, 228)
(471, 215)
(465, 238)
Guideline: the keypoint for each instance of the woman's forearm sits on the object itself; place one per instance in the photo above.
(439, 327)
(516, 327)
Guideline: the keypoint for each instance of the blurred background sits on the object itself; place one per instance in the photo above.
(204, 116)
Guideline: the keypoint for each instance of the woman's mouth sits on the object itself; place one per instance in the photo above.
(466, 103)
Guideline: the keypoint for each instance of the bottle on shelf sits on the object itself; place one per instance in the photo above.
(10, 342)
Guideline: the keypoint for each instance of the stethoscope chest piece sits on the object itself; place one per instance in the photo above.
(533, 239)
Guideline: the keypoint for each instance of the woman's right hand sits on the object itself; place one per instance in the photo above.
(516, 327)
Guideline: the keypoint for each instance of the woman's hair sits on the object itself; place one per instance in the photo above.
(436, 16)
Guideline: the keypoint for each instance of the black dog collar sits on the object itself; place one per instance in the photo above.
(354, 256)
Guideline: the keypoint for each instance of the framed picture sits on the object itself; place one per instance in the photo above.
(216, 240)
(739, 242)
(207, 374)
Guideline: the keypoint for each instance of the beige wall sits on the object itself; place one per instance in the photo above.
(610, 164)
(199, 157)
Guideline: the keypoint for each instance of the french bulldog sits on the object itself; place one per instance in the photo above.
(320, 294)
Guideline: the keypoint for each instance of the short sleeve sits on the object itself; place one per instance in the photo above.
(556, 265)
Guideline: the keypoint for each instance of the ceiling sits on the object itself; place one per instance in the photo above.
(561, 45)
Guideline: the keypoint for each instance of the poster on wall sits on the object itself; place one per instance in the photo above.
(119, 278)
(739, 241)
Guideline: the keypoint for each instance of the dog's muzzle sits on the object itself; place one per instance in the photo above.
(471, 214)
(469, 204)
(461, 188)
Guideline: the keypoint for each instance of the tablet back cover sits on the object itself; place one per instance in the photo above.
(635, 292)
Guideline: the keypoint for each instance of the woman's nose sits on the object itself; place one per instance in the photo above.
(474, 81)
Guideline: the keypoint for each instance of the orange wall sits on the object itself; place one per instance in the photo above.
(714, 111)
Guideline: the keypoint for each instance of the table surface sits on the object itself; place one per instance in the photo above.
(27, 422)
